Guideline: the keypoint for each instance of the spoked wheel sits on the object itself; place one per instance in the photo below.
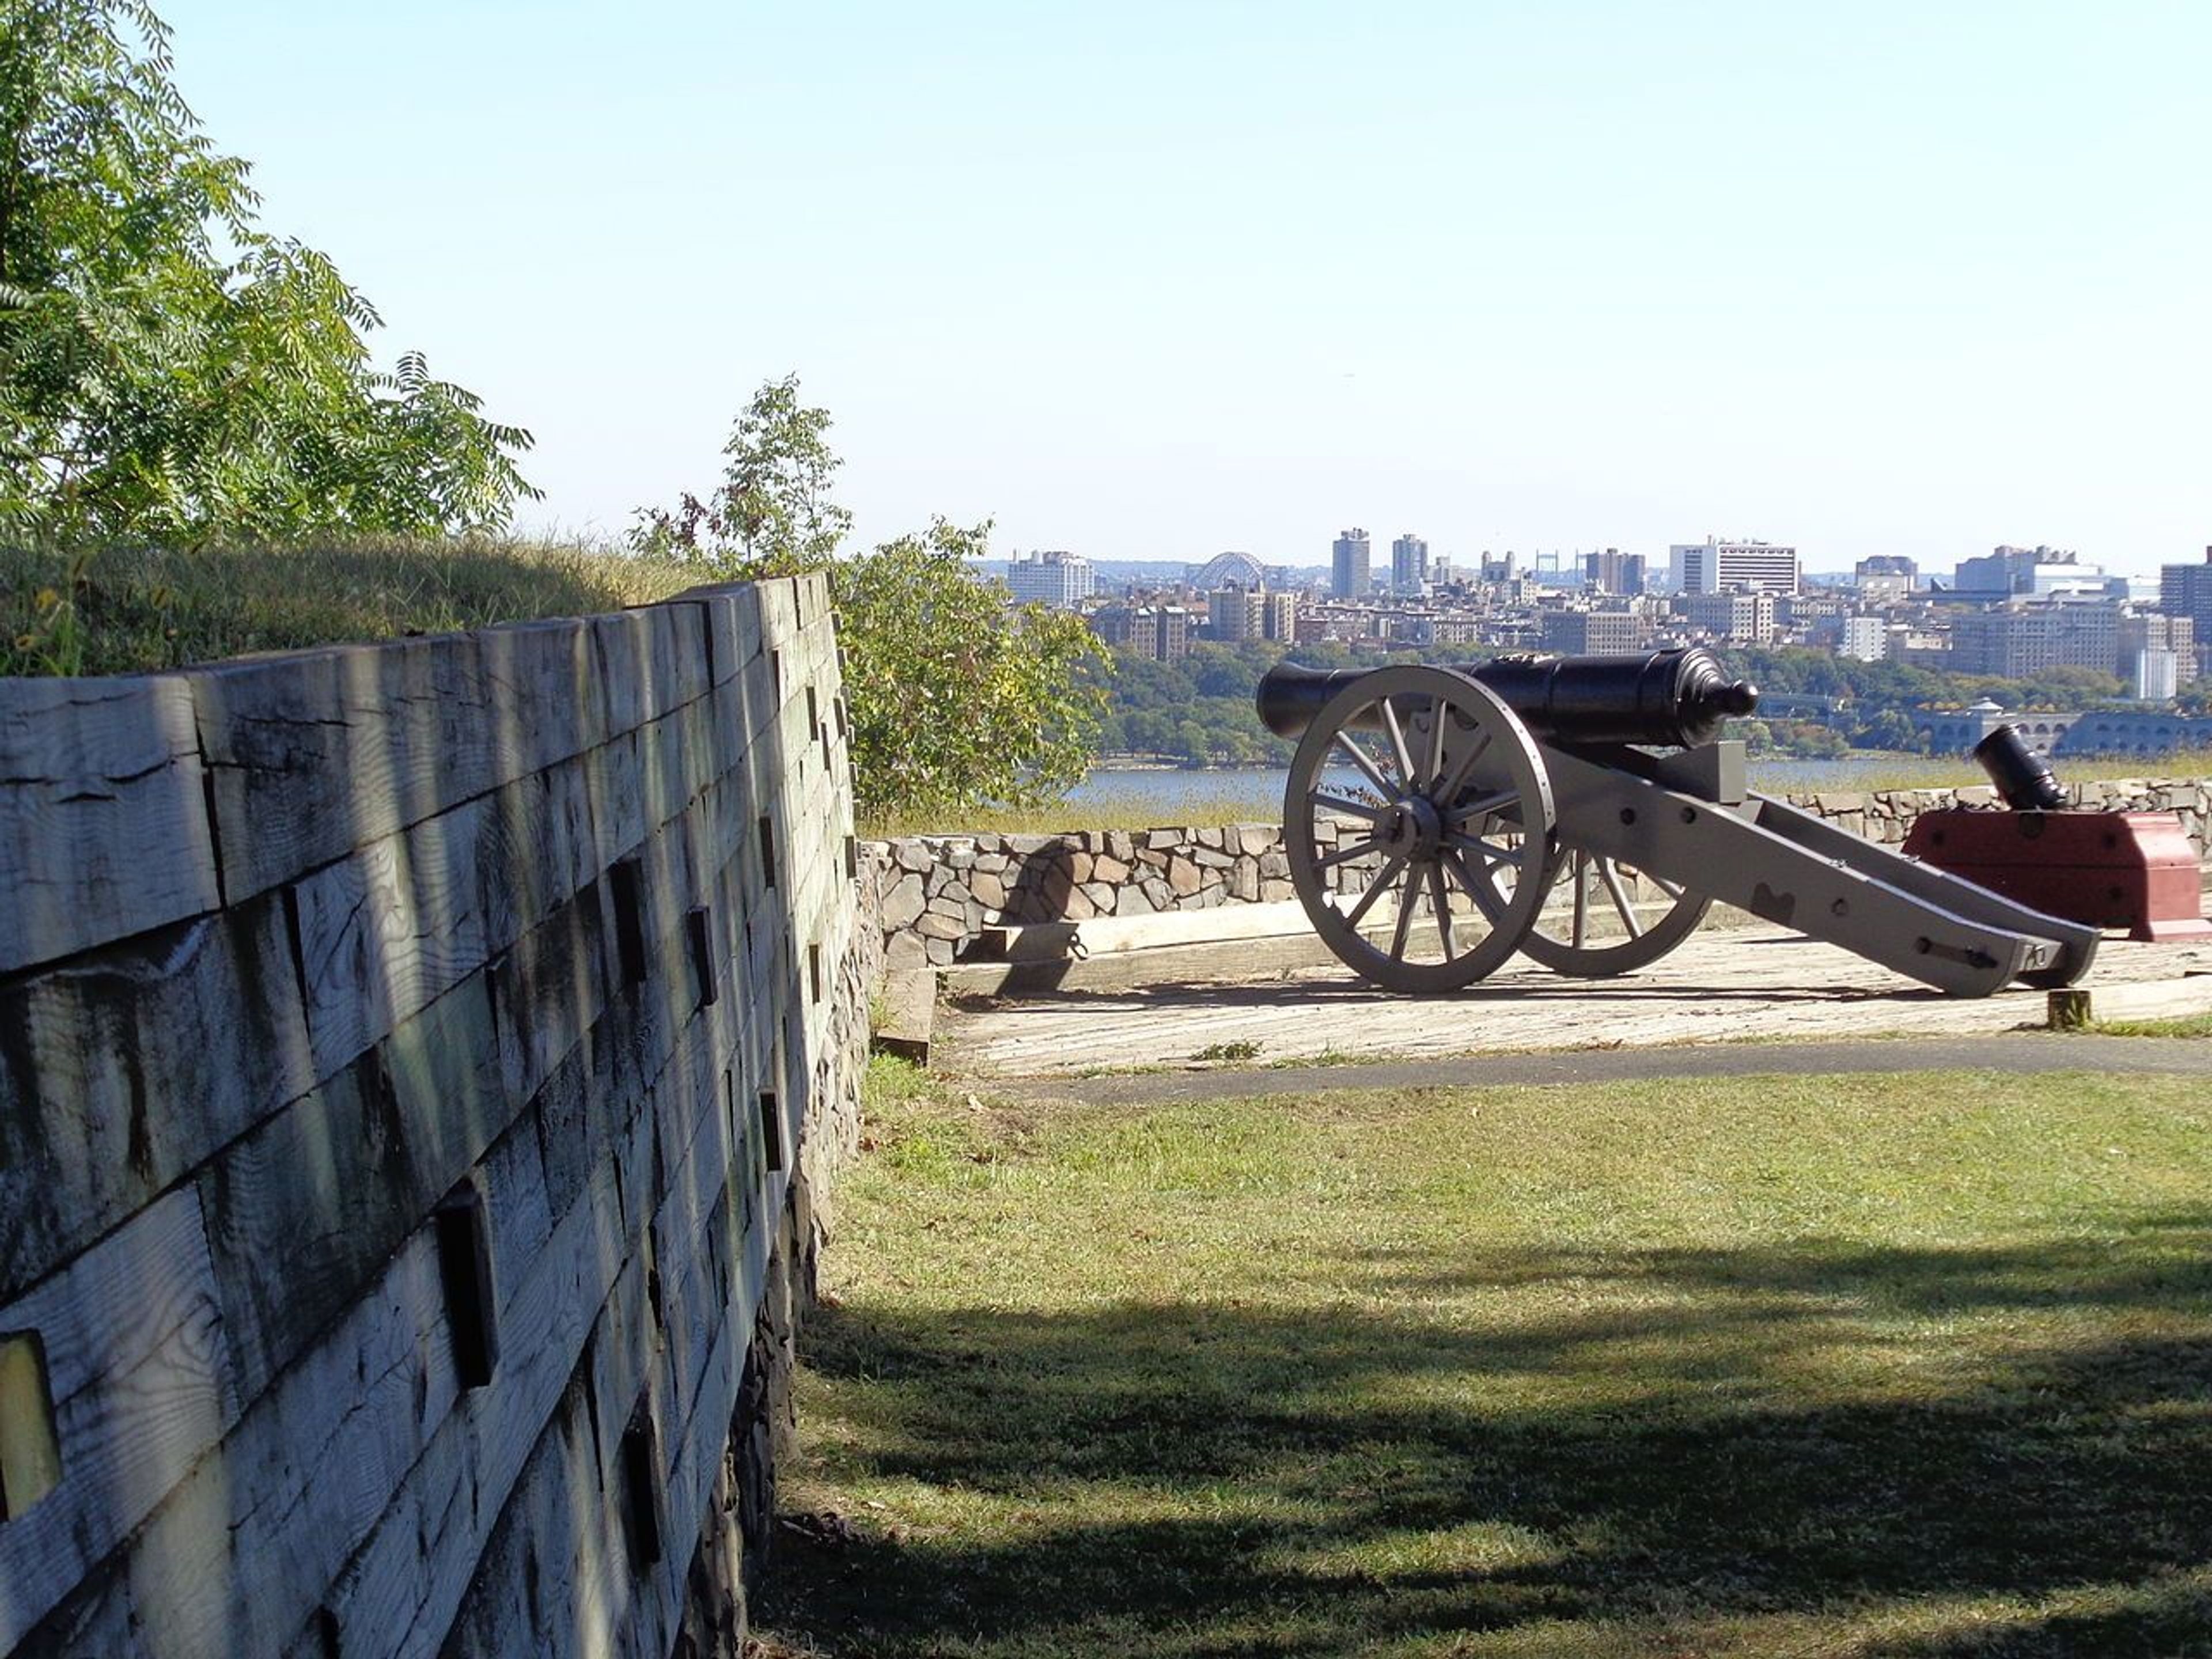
(1605, 917)
(1428, 774)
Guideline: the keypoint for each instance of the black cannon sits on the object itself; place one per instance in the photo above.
(1519, 805)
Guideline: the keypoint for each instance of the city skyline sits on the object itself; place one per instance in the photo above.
(1883, 282)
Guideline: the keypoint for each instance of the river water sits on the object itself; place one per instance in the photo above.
(1257, 792)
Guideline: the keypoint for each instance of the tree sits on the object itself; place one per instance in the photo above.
(957, 695)
(169, 370)
(773, 502)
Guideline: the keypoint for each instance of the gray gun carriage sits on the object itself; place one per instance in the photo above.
(1585, 811)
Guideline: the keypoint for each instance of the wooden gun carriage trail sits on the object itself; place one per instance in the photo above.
(1515, 805)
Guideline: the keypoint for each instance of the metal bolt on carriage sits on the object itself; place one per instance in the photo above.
(1586, 812)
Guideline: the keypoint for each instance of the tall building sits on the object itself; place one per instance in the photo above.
(2185, 590)
(1056, 578)
(1348, 577)
(1886, 578)
(2028, 570)
(1737, 614)
(2028, 635)
(2147, 635)
(1864, 639)
(1718, 566)
(1594, 633)
(1613, 572)
(1409, 563)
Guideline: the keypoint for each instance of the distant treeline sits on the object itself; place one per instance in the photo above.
(1198, 712)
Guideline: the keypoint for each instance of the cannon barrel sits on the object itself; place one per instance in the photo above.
(2022, 777)
(1675, 697)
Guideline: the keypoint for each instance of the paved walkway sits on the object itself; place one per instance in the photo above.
(2014, 1053)
(1719, 988)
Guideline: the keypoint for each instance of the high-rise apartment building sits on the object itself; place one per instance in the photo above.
(1862, 638)
(1160, 632)
(2028, 635)
(1348, 565)
(1740, 614)
(1718, 567)
(1056, 578)
(1594, 633)
(2147, 635)
(1409, 563)
(1613, 572)
(2185, 590)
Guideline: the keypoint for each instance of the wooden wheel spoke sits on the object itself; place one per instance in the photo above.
(1405, 901)
(1339, 804)
(1344, 854)
(1440, 900)
(1672, 889)
(1451, 786)
(1581, 899)
(1367, 769)
(1491, 850)
(1483, 806)
(1611, 877)
(1477, 888)
(1439, 724)
(1402, 754)
(1382, 885)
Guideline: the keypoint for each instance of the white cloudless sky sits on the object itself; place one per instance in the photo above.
(1152, 281)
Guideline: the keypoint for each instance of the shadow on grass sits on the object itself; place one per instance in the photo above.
(1650, 1456)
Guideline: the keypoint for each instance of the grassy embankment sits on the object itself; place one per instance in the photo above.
(130, 610)
(1869, 1366)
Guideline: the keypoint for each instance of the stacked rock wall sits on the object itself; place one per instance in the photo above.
(939, 892)
(420, 1070)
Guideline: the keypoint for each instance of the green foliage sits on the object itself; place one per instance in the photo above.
(169, 370)
(959, 698)
(773, 502)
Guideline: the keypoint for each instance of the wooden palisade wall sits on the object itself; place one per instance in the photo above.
(418, 1066)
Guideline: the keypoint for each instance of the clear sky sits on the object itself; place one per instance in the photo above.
(1153, 279)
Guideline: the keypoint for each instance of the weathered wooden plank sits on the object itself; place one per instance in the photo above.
(132, 1336)
(387, 930)
(512, 1177)
(315, 753)
(392, 1600)
(124, 1069)
(448, 1083)
(538, 678)
(553, 1582)
(304, 1212)
(238, 1558)
(550, 988)
(732, 621)
(539, 848)
(104, 830)
(615, 779)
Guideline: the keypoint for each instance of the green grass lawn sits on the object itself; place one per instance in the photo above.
(1867, 1365)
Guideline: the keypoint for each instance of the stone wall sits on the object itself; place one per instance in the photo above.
(939, 892)
(420, 1067)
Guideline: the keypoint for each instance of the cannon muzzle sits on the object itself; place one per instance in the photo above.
(2022, 777)
(1678, 697)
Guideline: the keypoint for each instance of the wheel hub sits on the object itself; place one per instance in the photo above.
(1410, 828)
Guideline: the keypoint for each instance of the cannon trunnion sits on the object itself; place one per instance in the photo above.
(1436, 820)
